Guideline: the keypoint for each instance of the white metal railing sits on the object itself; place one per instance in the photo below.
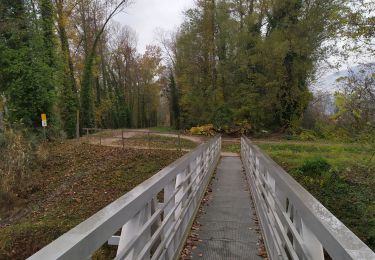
(154, 217)
(295, 225)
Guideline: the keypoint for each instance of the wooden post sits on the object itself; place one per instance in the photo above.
(179, 142)
(122, 138)
(2, 112)
(1, 121)
(44, 134)
(148, 142)
(77, 125)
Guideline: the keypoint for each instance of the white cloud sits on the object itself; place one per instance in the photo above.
(145, 16)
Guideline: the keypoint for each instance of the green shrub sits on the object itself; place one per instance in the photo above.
(307, 136)
(223, 116)
(315, 167)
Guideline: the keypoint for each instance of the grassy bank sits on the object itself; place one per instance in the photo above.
(70, 184)
(158, 141)
(340, 176)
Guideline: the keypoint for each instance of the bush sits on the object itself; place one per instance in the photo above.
(307, 136)
(207, 130)
(315, 168)
(15, 156)
(238, 129)
(223, 116)
(319, 177)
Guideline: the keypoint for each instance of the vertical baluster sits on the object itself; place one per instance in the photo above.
(280, 196)
(270, 184)
(131, 229)
(201, 170)
(313, 247)
(168, 194)
(198, 169)
(298, 225)
(155, 205)
(186, 191)
(179, 198)
(179, 182)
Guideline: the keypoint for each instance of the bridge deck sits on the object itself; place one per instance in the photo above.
(228, 228)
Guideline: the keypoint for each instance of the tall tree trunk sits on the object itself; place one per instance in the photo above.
(69, 99)
(87, 111)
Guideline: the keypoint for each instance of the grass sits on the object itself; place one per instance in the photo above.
(231, 147)
(345, 187)
(73, 183)
(157, 141)
(164, 130)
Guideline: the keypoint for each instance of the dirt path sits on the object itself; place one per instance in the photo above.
(195, 139)
(112, 137)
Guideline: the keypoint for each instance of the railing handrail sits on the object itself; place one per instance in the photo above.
(318, 228)
(83, 240)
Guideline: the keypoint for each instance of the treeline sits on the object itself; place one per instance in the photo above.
(251, 60)
(68, 59)
(244, 62)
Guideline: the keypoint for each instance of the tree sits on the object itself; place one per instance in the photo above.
(69, 103)
(254, 58)
(87, 105)
(356, 102)
(26, 69)
(174, 102)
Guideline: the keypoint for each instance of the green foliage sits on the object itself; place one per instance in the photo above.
(231, 148)
(307, 136)
(315, 167)
(25, 67)
(68, 109)
(174, 102)
(230, 68)
(87, 102)
(222, 116)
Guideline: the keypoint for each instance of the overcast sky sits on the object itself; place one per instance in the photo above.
(145, 16)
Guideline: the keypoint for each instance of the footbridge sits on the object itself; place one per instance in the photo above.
(154, 220)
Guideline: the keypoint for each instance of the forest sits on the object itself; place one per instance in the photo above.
(231, 62)
(67, 60)
(255, 61)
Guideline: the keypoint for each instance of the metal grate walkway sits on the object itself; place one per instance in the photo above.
(228, 228)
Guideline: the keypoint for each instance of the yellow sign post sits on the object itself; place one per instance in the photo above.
(44, 120)
(44, 124)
